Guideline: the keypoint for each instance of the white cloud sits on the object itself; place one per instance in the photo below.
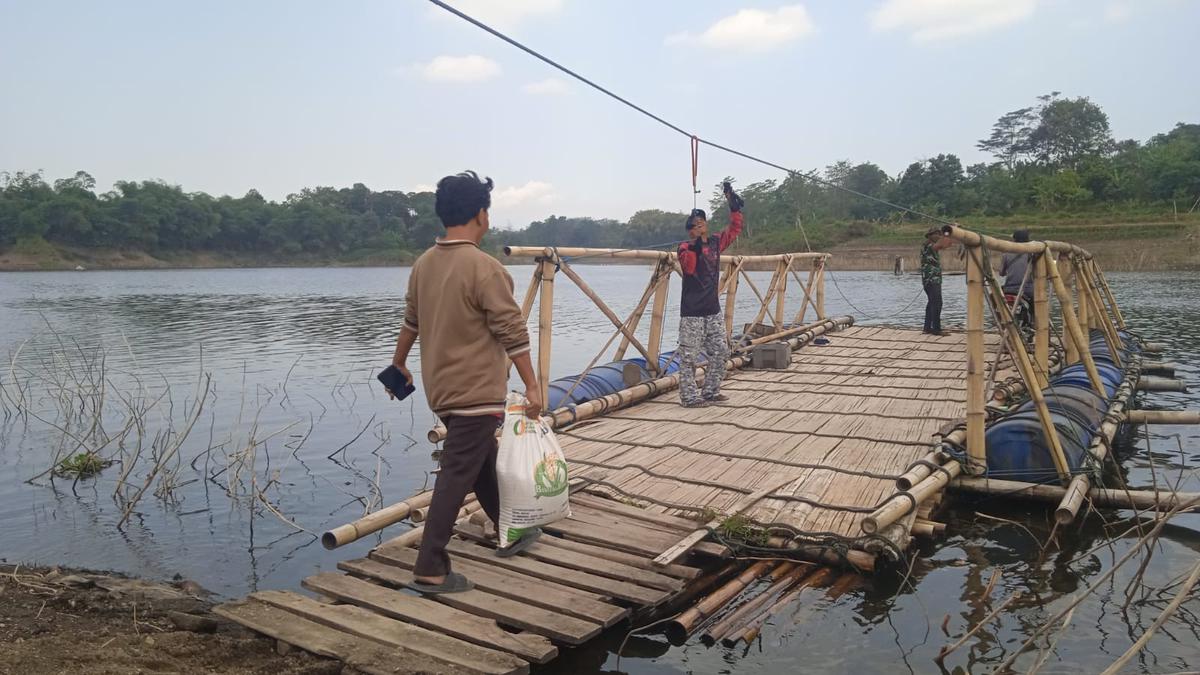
(532, 192)
(424, 187)
(753, 30)
(459, 69)
(550, 86)
(499, 13)
(934, 20)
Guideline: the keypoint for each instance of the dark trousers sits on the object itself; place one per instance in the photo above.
(468, 463)
(933, 308)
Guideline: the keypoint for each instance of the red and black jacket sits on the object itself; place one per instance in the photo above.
(702, 270)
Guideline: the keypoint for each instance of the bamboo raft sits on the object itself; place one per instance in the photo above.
(831, 463)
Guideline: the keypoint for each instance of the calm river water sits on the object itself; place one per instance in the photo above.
(294, 436)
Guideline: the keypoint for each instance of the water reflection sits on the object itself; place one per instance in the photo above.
(295, 437)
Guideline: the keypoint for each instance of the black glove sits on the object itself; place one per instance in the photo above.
(698, 246)
(735, 202)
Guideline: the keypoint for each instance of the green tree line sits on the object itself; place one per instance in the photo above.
(1057, 156)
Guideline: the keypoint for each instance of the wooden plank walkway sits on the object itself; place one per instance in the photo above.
(839, 425)
(843, 422)
(563, 591)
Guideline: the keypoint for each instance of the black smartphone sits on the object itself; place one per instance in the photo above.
(394, 380)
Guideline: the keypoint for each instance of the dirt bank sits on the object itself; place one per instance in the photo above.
(56, 621)
(48, 257)
(1149, 254)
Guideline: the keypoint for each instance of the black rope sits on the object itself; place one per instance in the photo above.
(743, 427)
(804, 176)
(730, 455)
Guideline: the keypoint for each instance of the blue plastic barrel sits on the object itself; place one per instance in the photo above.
(599, 382)
(1017, 448)
(1080, 403)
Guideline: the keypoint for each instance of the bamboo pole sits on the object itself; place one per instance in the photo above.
(781, 296)
(545, 328)
(976, 365)
(470, 506)
(1163, 416)
(1163, 368)
(820, 301)
(1082, 483)
(1112, 300)
(695, 537)
(731, 289)
(771, 290)
(780, 577)
(901, 503)
(604, 308)
(1100, 314)
(1140, 500)
(657, 315)
(1065, 308)
(635, 317)
(1041, 320)
(683, 625)
(1082, 309)
(821, 577)
(920, 470)
(1016, 348)
(1073, 330)
(856, 559)
(634, 254)
(808, 288)
(373, 522)
(1148, 383)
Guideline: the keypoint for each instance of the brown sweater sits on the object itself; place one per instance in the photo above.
(460, 302)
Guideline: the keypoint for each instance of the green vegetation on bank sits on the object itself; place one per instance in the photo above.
(1057, 170)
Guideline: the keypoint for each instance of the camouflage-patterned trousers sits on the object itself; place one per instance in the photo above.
(698, 333)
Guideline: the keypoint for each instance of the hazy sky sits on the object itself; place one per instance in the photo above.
(278, 95)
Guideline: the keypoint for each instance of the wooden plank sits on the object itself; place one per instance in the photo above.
(633, 540)
(584, 514)
(407, 638)
(601, 566)
(365, 655)
(640, 562)
(614, 506)
(689, 542)
(613, 588)
(432, 615)
(509, 612)
(509, 584)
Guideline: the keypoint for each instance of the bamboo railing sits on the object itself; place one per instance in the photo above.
(1085, 301)
(549, 261)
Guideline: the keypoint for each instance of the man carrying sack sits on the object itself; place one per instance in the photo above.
(700, 323)
(460, 302)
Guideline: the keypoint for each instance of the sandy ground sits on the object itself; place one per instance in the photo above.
(70, 621)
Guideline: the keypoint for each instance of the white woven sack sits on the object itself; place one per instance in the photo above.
(531, 471)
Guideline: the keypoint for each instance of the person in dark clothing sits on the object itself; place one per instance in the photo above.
(931, 279)
(700, 324)
(1018, 280)
(460, 303)
(1015, 268)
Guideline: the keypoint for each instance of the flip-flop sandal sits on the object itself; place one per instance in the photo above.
(521, 544)
(454, 583)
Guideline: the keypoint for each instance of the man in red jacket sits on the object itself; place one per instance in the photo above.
(701, 325)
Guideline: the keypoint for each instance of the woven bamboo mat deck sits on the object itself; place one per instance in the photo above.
(842, 422)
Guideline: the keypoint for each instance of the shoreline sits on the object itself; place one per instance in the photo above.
(1149, 252)
(67, 620)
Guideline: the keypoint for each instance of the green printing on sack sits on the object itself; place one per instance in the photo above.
(550, 477)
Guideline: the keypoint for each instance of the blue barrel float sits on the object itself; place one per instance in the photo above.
(604, 380)
(1017, 447)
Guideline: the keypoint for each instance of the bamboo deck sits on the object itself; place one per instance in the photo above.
(588, 573)
(840, 425)
(836, 429)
